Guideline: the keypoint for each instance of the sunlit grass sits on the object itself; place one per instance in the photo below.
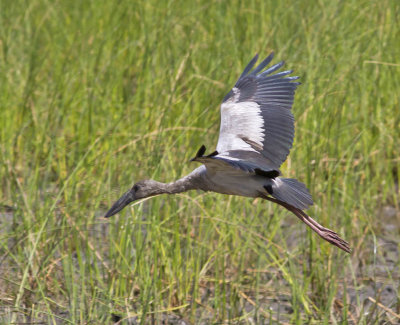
(97, 95)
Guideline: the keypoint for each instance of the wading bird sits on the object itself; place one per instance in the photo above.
(256, 135)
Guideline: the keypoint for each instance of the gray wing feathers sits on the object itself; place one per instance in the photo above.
(249, 66)
(261, 66)
(247, 161)
(242, 165)
(291, 191)
(265, 101)
(271, 69)
(279, 133)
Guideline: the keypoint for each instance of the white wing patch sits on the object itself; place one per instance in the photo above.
(257, 124)
(238, 121)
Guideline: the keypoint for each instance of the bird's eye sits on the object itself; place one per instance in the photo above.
(136, 188)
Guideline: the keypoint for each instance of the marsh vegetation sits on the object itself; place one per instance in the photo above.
(95, 95)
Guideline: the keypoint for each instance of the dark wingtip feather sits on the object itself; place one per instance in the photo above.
(263, 64)
(276, 67)
(249, 66)
(199, 153)
(213, 154)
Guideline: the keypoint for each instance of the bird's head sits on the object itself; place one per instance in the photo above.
(138, 191)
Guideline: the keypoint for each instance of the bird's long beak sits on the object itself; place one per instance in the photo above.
(123, 201)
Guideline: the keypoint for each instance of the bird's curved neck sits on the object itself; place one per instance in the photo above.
(181, 185)
(193, 181)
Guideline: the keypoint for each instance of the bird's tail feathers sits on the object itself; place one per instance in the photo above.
(291, 191)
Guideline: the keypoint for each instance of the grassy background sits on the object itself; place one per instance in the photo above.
(95, 95)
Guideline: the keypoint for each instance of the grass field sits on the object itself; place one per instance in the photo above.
(95, 95)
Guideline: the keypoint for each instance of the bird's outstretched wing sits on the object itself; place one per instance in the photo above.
(256, 119)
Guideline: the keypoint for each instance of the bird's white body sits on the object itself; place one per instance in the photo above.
(256, 135)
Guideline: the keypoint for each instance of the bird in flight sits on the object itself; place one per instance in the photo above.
(256, 135)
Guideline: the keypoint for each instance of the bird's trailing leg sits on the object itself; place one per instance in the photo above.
(325, 233)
